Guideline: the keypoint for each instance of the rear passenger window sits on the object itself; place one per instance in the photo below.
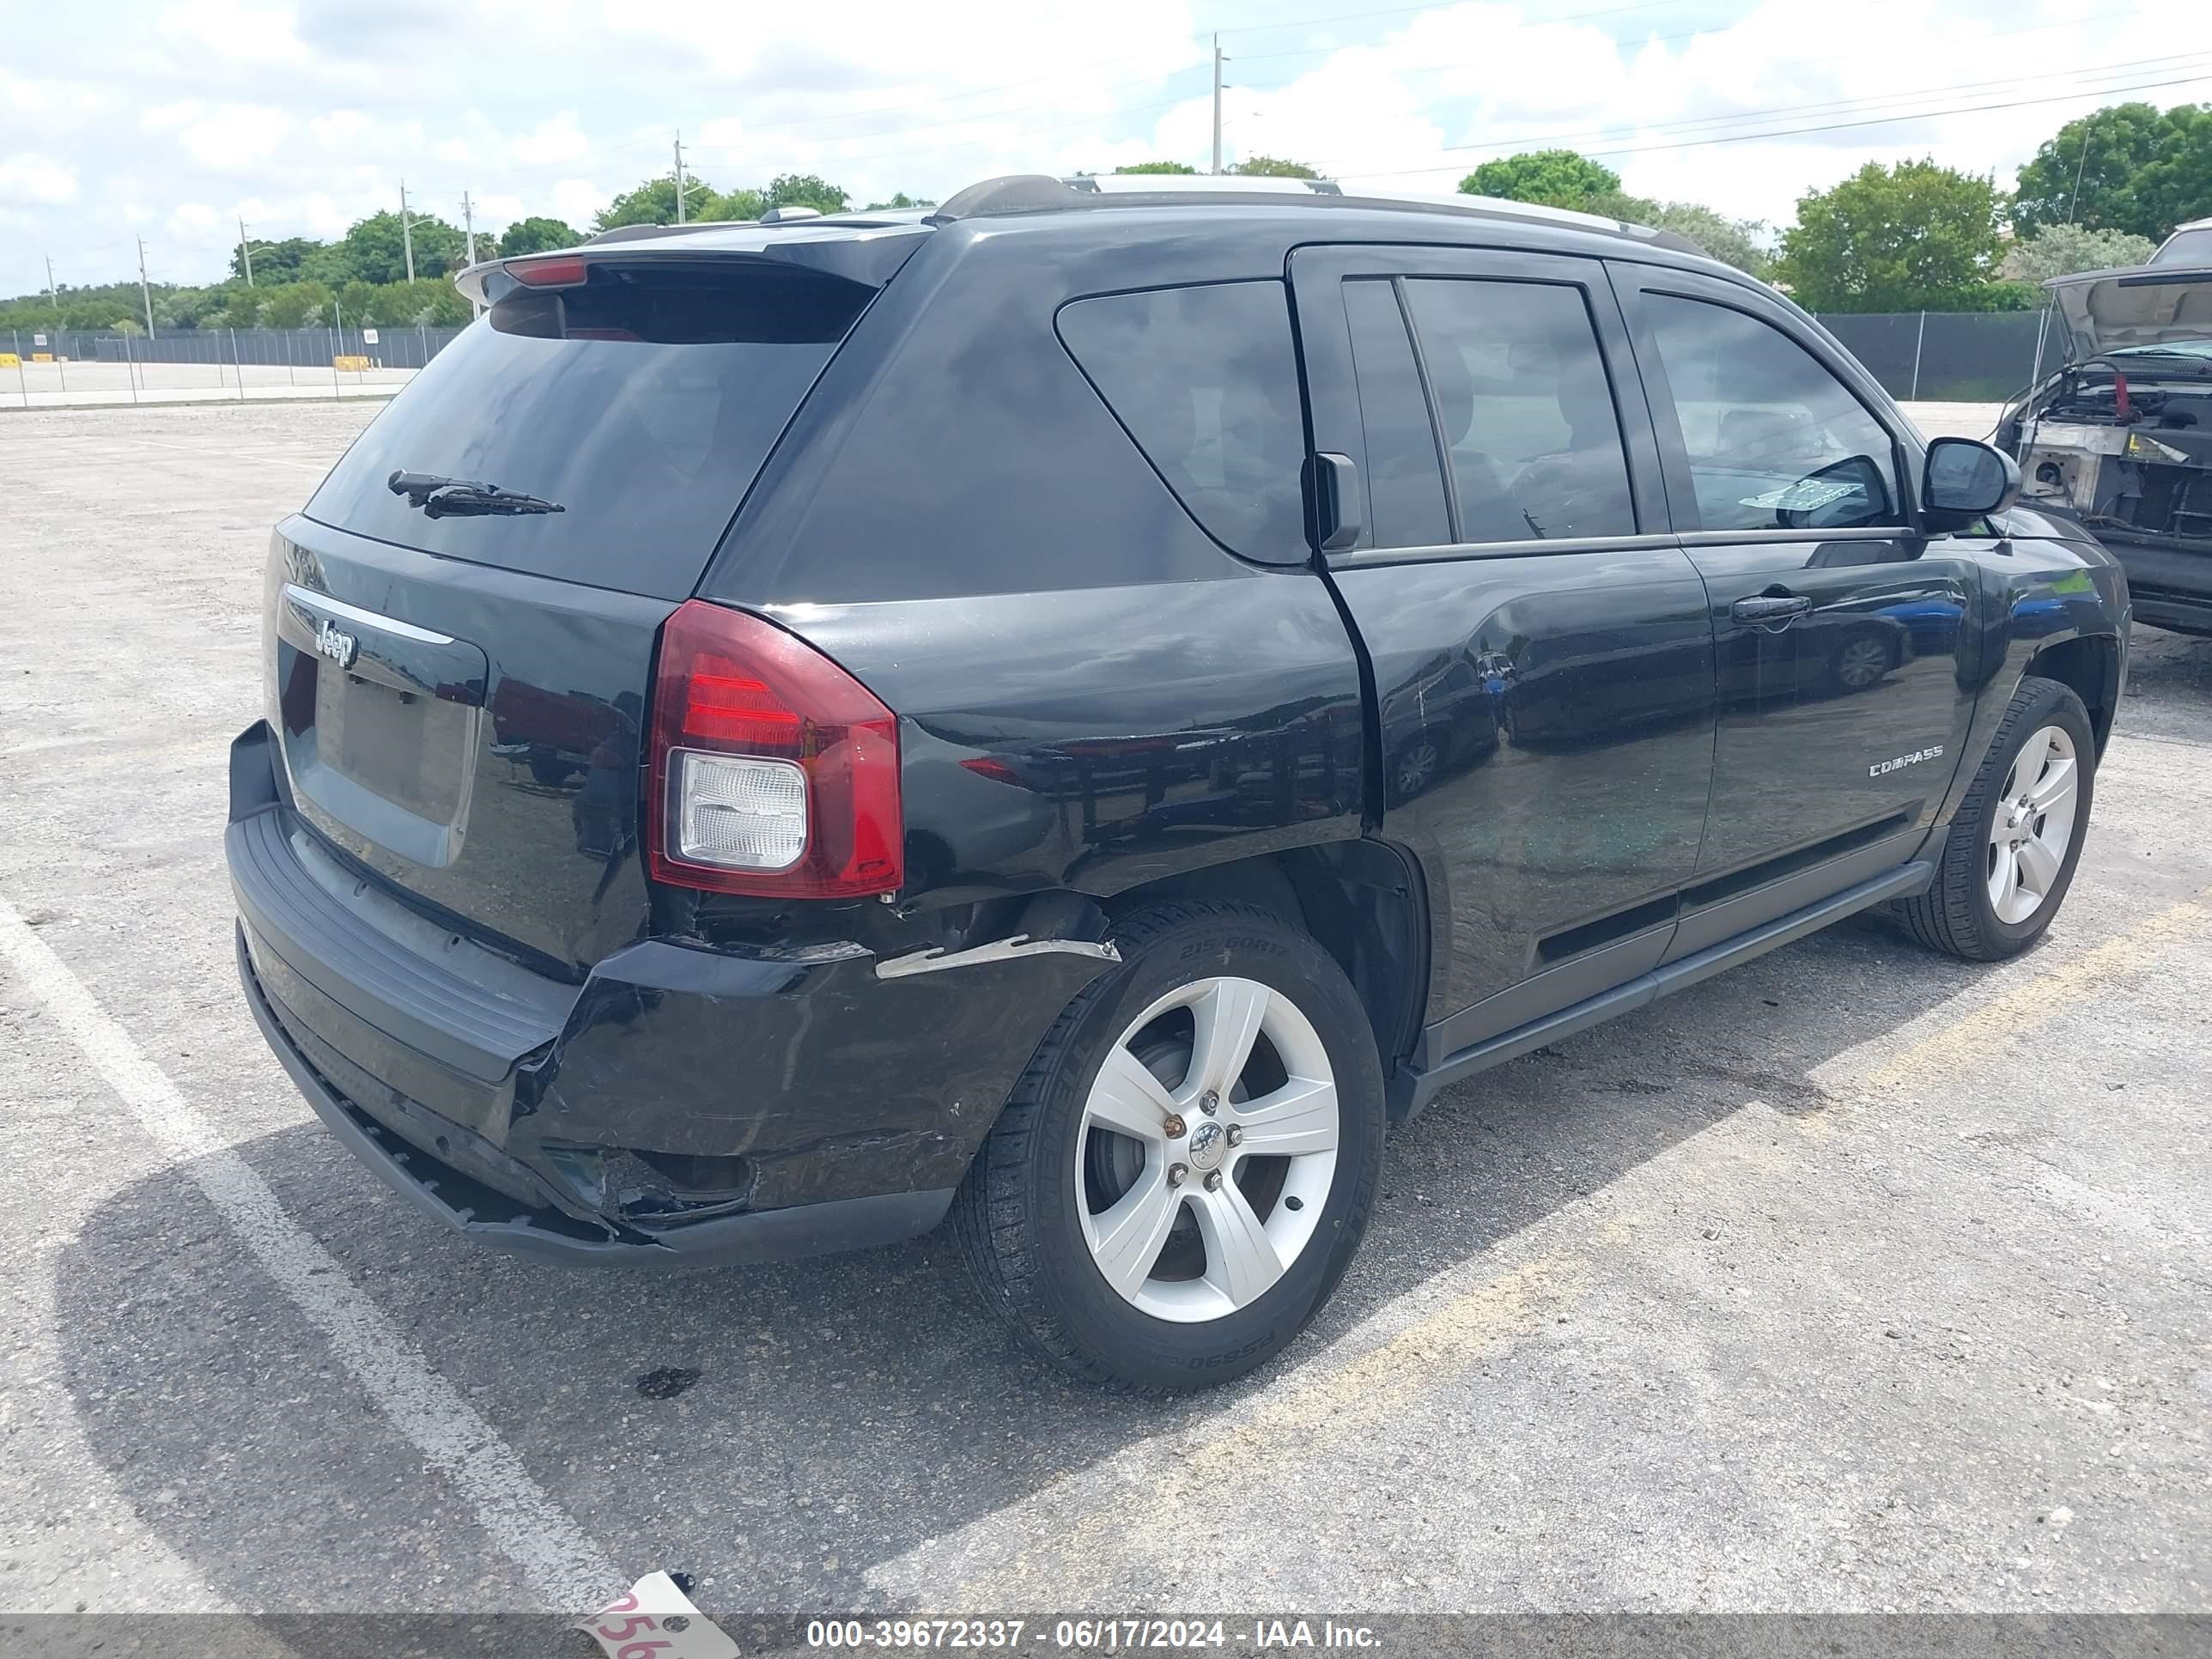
(1525, 407)
(1206, 379)
(1404, 480)
(1775, 440)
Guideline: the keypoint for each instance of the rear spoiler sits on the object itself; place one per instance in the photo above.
(868, 251)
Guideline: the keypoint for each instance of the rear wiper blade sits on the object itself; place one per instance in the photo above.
(440, 497)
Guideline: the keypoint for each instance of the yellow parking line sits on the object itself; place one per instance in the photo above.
(2038, 999)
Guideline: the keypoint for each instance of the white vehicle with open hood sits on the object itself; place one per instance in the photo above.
(2121, 436)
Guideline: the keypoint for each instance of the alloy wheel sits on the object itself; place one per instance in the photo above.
(1417, 764)
(2033, 826)
(1206, 1151)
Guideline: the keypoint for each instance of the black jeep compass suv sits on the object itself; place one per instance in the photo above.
(1076, 710)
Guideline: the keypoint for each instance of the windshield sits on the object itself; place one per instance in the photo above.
(642, 402)
(2200, 350)
(2186, 248)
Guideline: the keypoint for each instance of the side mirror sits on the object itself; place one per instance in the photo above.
(1965, 480)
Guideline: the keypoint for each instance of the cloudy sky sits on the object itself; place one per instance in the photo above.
(169, 121)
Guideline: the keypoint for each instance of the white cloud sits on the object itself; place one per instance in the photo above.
(39, 179)
(305, 114)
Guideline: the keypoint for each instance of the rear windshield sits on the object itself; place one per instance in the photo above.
(643, 403)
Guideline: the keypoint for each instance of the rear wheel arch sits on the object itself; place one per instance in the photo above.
(1361, 900)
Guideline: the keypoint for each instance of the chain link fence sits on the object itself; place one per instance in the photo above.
(1957, 357)
(407, 346)
(64, 367)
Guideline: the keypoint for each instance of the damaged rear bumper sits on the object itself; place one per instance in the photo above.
(683, 1105)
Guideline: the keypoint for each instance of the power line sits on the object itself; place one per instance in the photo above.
(1839, 126)
(1841, 106)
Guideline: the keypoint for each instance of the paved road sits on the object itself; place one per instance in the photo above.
(1859, 1278)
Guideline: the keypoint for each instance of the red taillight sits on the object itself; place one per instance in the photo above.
(772, 771)
(559, 270)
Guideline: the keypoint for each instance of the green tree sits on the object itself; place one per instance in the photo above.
(331, 263)
(900, 199)
(804, 190)
(2127, 167)
(1738, 242)
(1157, 167)
(536, 235)
(1272, 167)
(294, 305)
(356, 304)
(274, 262)
(375, 252)
(2063, 250)
(431, 300)
(1556, 178)
(654, 202)
(740, 204)
(1913, 237)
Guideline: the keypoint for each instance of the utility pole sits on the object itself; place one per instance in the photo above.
(406, 231)
(1218, 60)
(679, 175)
(246, 250)
(52, 298)
(469, 230)
(144, 292)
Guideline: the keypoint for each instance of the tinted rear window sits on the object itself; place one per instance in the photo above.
(1206, 381)
(643, 402)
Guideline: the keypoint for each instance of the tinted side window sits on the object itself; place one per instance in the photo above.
(1206, 379)
(1775, 440)
(1526, 409)
(1404, 478)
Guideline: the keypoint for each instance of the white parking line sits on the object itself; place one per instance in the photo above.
(558, 1559)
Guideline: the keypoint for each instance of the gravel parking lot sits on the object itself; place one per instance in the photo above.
(1859, 1278)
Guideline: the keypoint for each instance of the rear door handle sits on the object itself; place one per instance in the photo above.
(1771, 608)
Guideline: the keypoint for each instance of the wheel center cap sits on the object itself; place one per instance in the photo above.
(1206, 1147)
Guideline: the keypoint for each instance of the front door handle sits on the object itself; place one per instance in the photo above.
(1771, 608)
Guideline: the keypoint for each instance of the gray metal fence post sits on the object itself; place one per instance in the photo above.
(1920, 341)
(21, 379)
(130, 369)
(238, 366)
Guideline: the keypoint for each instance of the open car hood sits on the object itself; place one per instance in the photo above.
(2145, 306)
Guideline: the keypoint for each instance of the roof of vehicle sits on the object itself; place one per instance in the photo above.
(1025, 195)
(868, 245)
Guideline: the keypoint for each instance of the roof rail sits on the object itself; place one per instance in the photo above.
(854, 220)
(1036, 192)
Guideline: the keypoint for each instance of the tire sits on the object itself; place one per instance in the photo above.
(1961, 913)
(1042, 1192)
(1415, 765)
